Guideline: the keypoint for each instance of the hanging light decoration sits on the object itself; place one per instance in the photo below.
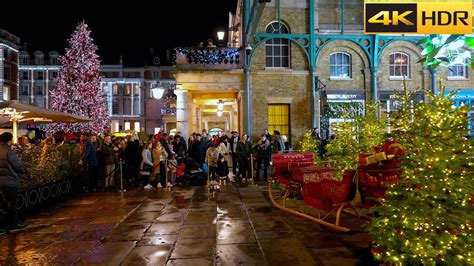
(220, 105)
(219, 113)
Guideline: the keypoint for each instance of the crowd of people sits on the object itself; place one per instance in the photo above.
(157, 160)
(111, 163)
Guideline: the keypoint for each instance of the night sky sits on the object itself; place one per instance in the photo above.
(129, 29)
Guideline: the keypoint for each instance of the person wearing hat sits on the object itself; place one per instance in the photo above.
(10, 170)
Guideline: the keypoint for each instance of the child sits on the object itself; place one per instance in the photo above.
(172, 164)
(222, 169)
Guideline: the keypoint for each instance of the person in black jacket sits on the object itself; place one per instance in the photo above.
(222, 169)
(10, 170)
(264, 152)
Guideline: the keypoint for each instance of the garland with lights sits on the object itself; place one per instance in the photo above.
(427, 218)
(208, 56)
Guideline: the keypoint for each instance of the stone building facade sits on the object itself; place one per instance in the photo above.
(281, 78)
(9, 45)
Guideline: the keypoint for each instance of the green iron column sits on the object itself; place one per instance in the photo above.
(248, 100)
(314, 101)
(434, 77)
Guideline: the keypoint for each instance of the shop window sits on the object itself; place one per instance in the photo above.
(115, 89)
(279, 118)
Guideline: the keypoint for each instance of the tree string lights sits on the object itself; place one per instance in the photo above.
(427, 218)
(78, 91)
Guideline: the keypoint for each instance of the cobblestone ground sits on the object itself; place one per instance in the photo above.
(184, 227)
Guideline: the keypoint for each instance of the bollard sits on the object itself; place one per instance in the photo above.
(166, 176)
(121, 177)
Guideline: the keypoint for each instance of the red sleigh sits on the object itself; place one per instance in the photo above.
(318, 188)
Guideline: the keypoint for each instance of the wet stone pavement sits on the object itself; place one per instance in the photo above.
(186, 226)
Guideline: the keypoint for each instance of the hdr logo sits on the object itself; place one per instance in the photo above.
(424, 17)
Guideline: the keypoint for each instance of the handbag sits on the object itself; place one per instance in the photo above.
(146, 169)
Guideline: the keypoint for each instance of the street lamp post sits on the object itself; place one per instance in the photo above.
(220, 37)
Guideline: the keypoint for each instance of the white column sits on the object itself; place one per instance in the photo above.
(182, 112)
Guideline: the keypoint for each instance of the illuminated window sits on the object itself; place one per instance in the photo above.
(458, 71)
(277, 51)
(340, 65)
(399, 65)
(114, 125)
(115, 89)
(136, 90)
(6, 93)
(136, 126)
(128, 89)
(279, 118)
(127, 125)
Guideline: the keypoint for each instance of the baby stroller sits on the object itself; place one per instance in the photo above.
(190, 174)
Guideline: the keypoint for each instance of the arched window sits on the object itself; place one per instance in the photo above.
(457, 71)
(277, 52)
(399, 65)
(340, 65)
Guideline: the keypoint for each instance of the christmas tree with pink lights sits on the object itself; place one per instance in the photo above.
(78, 89)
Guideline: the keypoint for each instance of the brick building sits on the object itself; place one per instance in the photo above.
(9, 45)
(293, 60)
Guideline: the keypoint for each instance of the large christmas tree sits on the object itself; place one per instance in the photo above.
(428, 217)
(78, 91)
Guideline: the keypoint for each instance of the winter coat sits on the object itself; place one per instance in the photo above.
(212, 155)
(243, 150)
(10, 167)
(222, 168)
(108, 154)
(89, 157)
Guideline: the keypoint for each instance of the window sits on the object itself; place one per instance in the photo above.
(128, 89)
(279, 118)
(340, 65)
(24, 74)
(277, 51)
(399, 65)
(458, 71)
(24, 90)
(40, 75)
(136, 126)
(127, 106)
(54, 61)
(115, 89)
(38, 90)
(6, 93)
(114, 124)
(54, 74)
(24, 60)
(115, 106)
(136, 106)
(6, 72)
(136, 90)
(127, 125)
(5, 53)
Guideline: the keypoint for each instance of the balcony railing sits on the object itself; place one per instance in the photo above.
(208, 58)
